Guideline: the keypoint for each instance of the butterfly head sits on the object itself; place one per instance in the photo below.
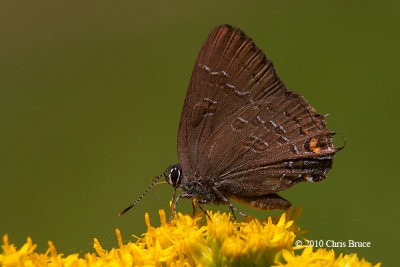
(173, 175)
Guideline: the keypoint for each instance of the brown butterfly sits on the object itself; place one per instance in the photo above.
(243, 135)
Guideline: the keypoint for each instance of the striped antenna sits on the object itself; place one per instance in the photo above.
(155, 179)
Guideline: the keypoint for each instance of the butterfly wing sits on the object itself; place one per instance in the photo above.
(223, 49)
(241, 126)
(210, 89)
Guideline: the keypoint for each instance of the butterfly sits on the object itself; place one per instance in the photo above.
(243, 135)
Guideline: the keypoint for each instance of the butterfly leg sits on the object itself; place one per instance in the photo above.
(176, 202)
(199, 204)
(194, 204)
(233, 209)
(173, 198)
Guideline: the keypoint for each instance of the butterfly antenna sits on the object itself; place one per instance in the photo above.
(155, 179)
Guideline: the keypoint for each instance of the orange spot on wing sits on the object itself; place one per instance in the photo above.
(313, 143)
(317, 150)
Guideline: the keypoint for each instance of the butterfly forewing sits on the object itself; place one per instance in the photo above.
(241, 126)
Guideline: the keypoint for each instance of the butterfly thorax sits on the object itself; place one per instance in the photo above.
(200, 189)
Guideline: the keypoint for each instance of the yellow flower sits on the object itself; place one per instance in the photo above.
(254, 241)
(322, 257)
(352, 260)
(193, 241)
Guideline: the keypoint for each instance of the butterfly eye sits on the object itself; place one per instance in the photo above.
(174, 176)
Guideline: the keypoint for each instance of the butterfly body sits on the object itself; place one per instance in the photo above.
(201, 189)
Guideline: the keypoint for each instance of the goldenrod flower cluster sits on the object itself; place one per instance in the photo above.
(192, 241)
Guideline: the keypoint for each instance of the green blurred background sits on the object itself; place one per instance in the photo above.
(91, 94)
